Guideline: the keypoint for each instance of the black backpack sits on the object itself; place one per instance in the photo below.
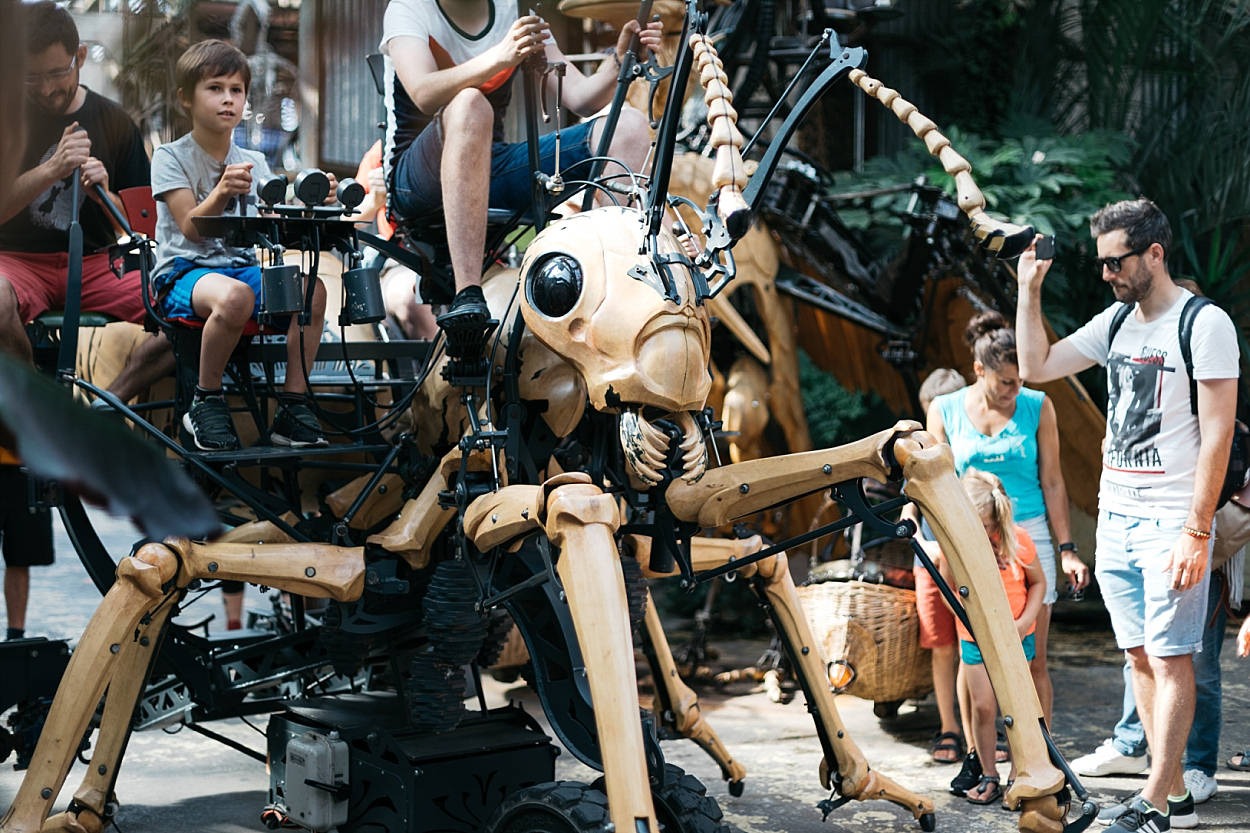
(1239, 451)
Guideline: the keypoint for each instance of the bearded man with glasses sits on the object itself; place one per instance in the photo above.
(1164, 462)
(71, 132)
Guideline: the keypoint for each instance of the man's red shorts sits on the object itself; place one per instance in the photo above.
(39, 280)
(937, 623)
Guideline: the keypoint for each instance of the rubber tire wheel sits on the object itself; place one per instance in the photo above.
(682, 804)
(553, 807)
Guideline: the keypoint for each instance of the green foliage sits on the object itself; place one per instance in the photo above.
(836, 415)
(1030, 175)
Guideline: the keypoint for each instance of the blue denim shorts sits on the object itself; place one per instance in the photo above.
(970, 654)
(183, 276)
(418, 187)
(1145, 610)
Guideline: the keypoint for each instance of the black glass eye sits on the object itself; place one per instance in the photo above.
(554, 284)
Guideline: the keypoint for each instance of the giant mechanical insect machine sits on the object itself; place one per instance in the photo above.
(583, 466)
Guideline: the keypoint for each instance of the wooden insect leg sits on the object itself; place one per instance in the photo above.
(87, 813)
(582, 521)
(855, 779)
(142, 584)
(679, 699)
(931, 482)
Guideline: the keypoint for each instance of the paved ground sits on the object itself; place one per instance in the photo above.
(187, 782)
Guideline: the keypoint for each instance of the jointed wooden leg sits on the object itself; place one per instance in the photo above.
(857, 779)
(582, 521)
(142, 584)
(130, 674)
(683, 702)
(931, 482)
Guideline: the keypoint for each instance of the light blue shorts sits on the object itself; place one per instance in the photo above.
(185, 274)
(1039, 531)
(1145, 610)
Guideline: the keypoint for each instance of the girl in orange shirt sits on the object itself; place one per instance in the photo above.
(1025, 585)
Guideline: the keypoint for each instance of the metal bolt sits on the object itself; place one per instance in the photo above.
(382, 489)
(806, 650)
(744, 488)
(902, 531)
(310, 571)
(102, 769)
(963, 591)
(826, 469)
(1008, 720)
(115, 648)
(494, 518)
(46, 792)
(144, 641)
(212, 566)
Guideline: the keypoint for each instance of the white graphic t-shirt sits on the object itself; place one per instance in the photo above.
(1150, 451)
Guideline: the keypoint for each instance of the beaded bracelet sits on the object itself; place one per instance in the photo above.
(1200, 534)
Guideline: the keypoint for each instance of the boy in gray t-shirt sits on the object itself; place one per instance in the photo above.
(200, 278)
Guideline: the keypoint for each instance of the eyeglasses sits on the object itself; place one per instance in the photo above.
(1116, 263)
(39, 78)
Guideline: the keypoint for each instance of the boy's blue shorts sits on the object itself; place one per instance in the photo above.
(182, 277)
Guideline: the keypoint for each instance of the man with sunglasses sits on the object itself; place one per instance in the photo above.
(70, 132)
(1163, 467)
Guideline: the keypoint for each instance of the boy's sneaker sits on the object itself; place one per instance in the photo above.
(969, 775)
(1107, 760)
(1201, 785)
(1181, 814)
(209, 423)
(295, 425)
(1141, 817)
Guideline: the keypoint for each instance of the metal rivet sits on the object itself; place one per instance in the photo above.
(382, 489)
(310, 571)
(45, 793)
(963, 591)
(102, 769)
(212, 566)
(744, 488)
(806, 650)
(1008, 720)
(494, 518)
(115, 648)
(826, 469)
(144, 641)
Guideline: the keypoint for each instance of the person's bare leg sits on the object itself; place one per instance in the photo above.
(233, 602)
(965, 712)
(631, 141)
(1165, 703)
(984, 710)
(226, 305)
(399, 296)
(16, 594)
(13, 338)
(1038, 667)
(467, 121)
(152, 359)
(302, 343)
(945, 660)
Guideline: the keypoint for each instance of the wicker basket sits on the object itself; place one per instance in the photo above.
(874, 629)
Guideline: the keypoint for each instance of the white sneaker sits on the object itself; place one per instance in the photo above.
(1201, 785)
(1107, 760)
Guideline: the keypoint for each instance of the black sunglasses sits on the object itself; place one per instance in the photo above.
(1116, 263)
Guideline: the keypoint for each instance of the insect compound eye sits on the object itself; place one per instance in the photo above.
(554, 284)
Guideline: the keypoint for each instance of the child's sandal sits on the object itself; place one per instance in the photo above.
(988, 789)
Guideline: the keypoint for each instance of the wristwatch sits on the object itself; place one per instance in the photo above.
(1068, 546)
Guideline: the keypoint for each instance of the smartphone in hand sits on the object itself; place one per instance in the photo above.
(1045, 248)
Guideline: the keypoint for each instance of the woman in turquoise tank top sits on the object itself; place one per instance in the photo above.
(995, 425)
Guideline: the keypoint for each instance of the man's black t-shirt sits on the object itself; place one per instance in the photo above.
(43, 226)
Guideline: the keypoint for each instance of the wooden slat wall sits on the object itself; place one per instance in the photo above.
(335, 37)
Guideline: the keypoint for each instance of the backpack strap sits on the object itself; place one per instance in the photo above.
(1192, 307)
(1117, 321)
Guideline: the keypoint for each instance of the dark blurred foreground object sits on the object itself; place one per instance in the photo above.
(94, 455)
